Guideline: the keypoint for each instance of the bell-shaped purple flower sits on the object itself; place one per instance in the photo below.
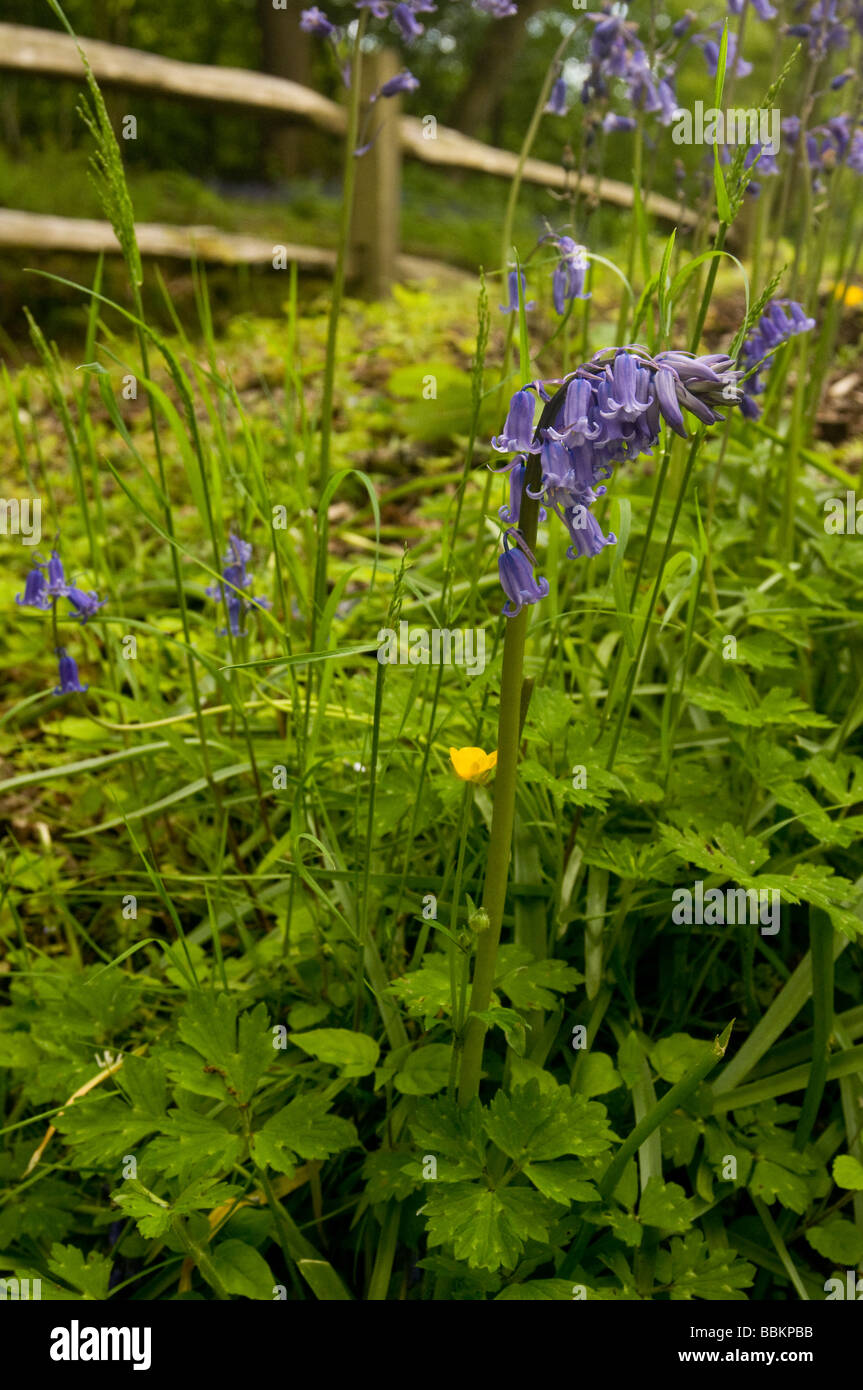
(517, 579)
(35, 593)
(84, 605)
(68, 675)
(518, 431)
(56, 576)
(314, 21)
(557, 104)
(512, 286)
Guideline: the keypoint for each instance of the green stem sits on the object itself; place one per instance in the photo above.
(381, 1274)
(338, 289)
(503, 815)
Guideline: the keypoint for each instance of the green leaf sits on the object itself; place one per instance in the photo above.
(692, 1271)
(666, 1205)
(242, 1270)
(529, 983)
(194, 1146)
(303, 1128)
(536, 1125)
(598, 1075)
(90, 1276)
(837, 1240)
(453, 1135)
(104, 1129)
(427, 991)
(848, 1172)
(537, 1291)
(425, 1071)
(355, 1053)
(673, 1057)
(487, 1228)
(562, 1182)
(771, 1182)
(240, 1051)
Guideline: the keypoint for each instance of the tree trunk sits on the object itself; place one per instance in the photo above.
(285, 52)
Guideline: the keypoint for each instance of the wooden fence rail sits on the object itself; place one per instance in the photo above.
(41, 52)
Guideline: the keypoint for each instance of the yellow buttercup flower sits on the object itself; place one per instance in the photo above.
(472, 764)
(852, 295)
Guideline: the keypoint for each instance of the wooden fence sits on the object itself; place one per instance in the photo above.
(376, 259)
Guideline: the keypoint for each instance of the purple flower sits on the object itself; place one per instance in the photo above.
(84, 605)
(512, 286)
(409, 27)
(56, 576)
(314, 21)
(516, 576)
(782, 319)
(613, 122)
(68, 676)
(402, 82)
(556, 104)
(35, 590)
(518, 435)
(609, 410)
(498, 9)
(569, 273)
(235, 578)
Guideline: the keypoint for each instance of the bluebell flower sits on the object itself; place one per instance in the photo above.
(84, 605)
(408, 25)
(516, 575)
(735, 65)
(612, 122)
(68, 675)
(556, 104)
(512, 286)
(35, 590)
(402, 82)
(498, 9)
(56, 576)
(569, 273)
(762, 8)
(314, 21)
(518, 427)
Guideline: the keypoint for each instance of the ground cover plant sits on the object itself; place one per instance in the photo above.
(430, 740)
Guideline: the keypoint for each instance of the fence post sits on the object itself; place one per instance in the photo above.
(377, 206)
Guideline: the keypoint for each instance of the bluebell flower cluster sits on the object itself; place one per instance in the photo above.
(44, 585)
(826, 25)
(610, 410)
(617, 54)
(236, 581)
(781, 320)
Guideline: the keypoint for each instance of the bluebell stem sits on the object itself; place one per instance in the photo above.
(68, 675)
(610, 410)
